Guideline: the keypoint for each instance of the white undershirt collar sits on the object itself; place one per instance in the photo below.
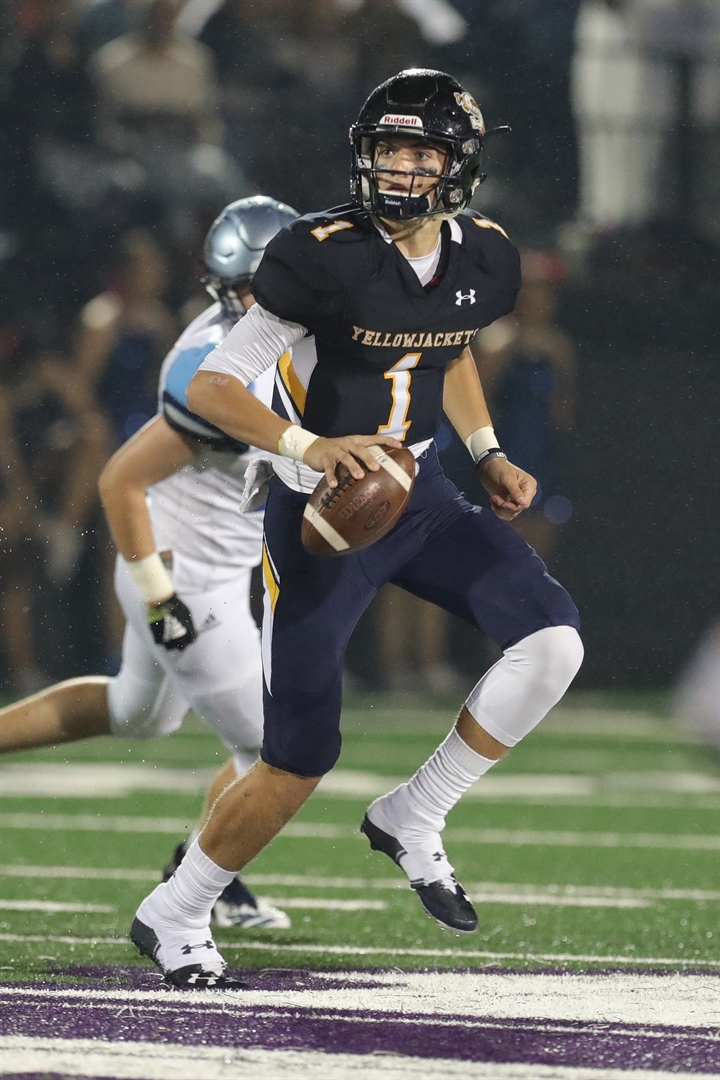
(424, 266)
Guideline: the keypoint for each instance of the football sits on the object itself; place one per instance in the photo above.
(356, 513)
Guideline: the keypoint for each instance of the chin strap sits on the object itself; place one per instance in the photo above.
(401, 207)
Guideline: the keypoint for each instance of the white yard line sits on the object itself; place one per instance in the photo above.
(96, 823)
(685, 1002)
(309, 903)
(321, 904)
(612, 724)
(397, 882)
(166, 1061)
(530, 899)
(532, 837)
(91, 873)
(159, 1005)
(352, 950)
(323, 831)
(408, 712)
(481, 892)
(115, 780)
(51, 907)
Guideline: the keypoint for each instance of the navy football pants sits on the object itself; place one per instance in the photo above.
(443, 549)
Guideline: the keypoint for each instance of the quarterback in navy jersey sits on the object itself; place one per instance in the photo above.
(337, 275)
(369, 310)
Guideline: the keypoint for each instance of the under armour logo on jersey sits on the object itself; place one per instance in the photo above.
(187, 949)
(461, 296)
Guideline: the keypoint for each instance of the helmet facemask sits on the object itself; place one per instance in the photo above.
(229, 294)
(452, 192)
(433, 108)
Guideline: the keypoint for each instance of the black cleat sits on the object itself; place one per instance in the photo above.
(449, 906)
(191, 976)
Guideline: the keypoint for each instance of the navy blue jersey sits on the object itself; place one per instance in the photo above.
(383, 340)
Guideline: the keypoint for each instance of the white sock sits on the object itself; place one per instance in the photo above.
(421, 804)
(508, 702)
(188, 897)
(415, 812)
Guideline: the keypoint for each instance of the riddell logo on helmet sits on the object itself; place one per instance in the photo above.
(401, 120)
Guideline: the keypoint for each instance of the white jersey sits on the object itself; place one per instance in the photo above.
(196, 511)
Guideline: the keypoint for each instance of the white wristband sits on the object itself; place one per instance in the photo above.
(294, 441)
(151, 578)
(481, 441)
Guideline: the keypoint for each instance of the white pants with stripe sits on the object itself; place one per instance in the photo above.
(219, 676)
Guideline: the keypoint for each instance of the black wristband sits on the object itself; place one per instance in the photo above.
(487, 455)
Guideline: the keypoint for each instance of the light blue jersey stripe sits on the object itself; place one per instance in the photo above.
(182, 370)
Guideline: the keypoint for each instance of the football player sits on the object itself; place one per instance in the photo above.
(184, 564)
(393, 288)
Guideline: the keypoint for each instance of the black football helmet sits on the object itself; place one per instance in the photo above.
(433, 106)
(235, 244)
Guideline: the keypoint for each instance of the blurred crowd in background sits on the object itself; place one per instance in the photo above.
(128, 124)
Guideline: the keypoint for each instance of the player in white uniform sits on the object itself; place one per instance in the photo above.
(172, 499)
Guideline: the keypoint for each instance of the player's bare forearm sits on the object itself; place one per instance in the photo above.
(463, 398)
(224, 401)
(152, 455)
(511, 489)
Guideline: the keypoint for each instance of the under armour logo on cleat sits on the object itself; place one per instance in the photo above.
(439, 856)
(187, 949)
(461, 296)
(201, 978)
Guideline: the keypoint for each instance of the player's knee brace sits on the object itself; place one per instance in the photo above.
(515, 694)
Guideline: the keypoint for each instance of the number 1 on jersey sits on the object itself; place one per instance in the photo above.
(401, 376)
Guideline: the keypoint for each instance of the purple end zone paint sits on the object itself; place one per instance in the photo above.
(176, 1018)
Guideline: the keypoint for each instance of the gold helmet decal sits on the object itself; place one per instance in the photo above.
(471, 107)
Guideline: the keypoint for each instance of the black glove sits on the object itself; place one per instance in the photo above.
(171, 623)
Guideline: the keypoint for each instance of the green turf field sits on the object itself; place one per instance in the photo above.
(595, 843)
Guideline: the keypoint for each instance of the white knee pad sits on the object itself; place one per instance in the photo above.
(515, 694)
